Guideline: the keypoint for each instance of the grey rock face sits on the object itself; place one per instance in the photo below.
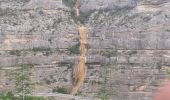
(45, 4)
(128, 39)
(87, 5)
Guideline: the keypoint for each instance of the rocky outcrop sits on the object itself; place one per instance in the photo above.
(129, 39)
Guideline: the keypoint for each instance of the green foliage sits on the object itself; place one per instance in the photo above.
(7, 96)
(51, 98)
(84, 16)
(22, 80)
(69, 3)
(78, 93)
(106, 73)
(168, 71)
(41, 49)
(10, 96)
(27, 66)
(45, 51)
(60, 90)
(34, 98)
(108, 53)
(49, 81)
(104, 94)
(7, 12)
(105, 91)
(56, 22)
(15, 52)
(75, 49)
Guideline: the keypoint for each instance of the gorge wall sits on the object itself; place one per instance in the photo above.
(128, 45)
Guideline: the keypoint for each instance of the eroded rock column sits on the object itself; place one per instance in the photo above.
(79, 72)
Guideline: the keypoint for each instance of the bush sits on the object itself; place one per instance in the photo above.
(104, 94)
(75, 49)
(45, 51)
(34, 98)
(27, 66)
(69, 3)
(7, 96)
(84, 16)
(41, 49)
(7, 12)
(168, 71)
(10, 96)
(60, 90)
(108, 53)
(15, 52)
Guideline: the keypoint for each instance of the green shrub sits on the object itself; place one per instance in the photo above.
(10, 96)
(47, 81)
(75, 49)
(60, 90)
(21, 78)
(40, 49)
(45, 51)
(168, 71)
(69, 3)
(108, 53)
(7, 96)
(15, 52)
(27, 66)
(50, 81)
(104, 94)
(7, 12)
(84, 16)
(34, 98)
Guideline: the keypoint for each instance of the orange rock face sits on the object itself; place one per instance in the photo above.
(79, 76)
(79, 72)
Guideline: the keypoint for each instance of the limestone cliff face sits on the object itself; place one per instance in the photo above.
(132, 36)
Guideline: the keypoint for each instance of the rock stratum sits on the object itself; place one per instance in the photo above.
(128, 45)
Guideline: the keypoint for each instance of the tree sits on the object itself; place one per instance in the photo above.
(22, 80)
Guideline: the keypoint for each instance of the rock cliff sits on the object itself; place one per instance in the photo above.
(128, 45)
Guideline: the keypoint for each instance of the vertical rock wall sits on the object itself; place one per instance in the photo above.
(131, 36)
